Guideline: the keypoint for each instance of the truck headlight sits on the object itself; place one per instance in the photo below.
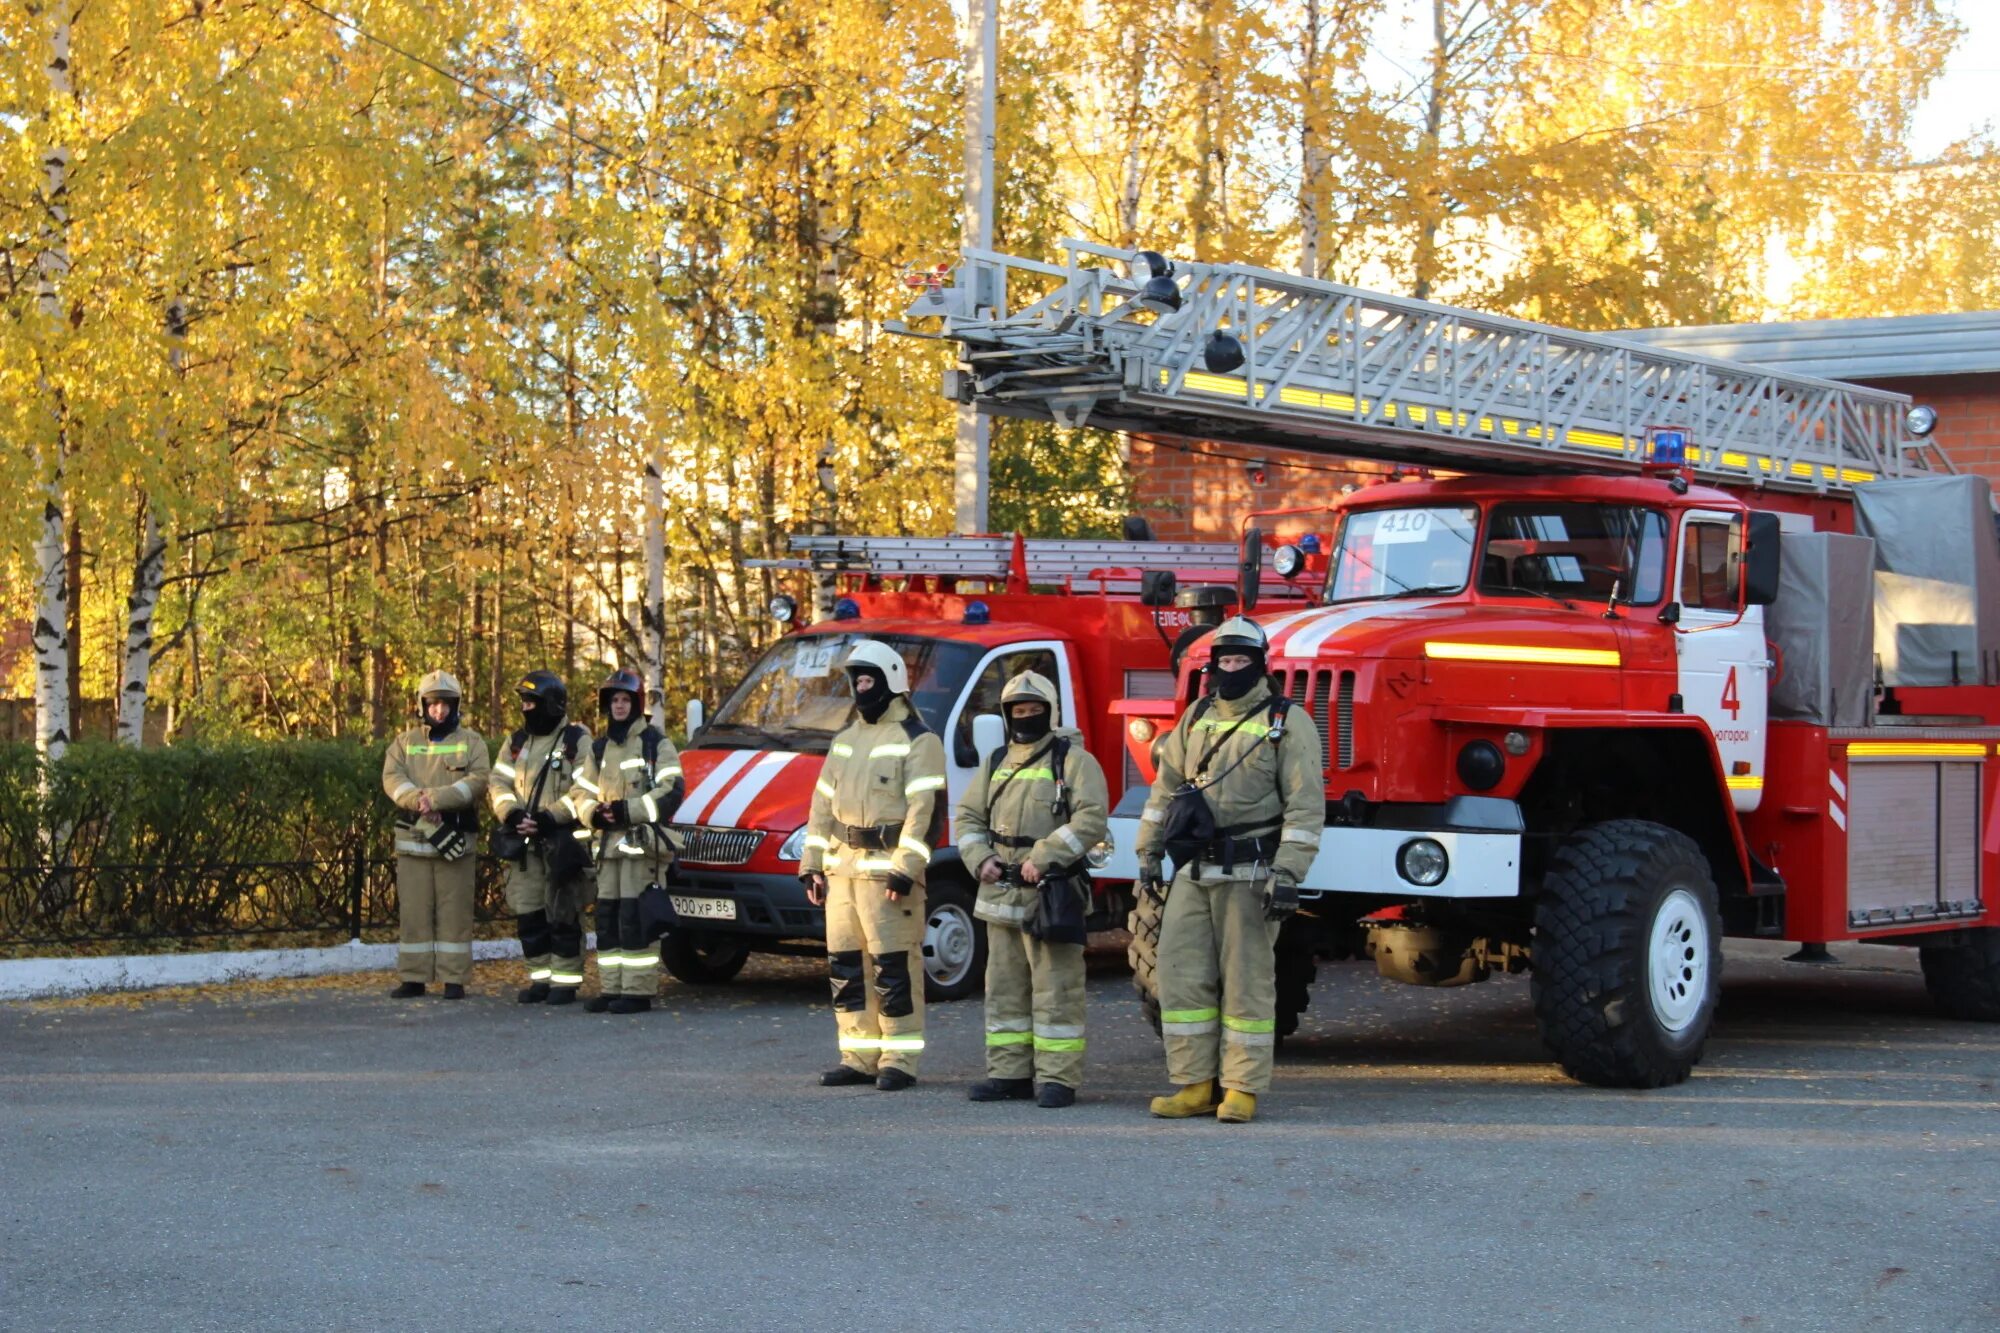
(1099, 856)
(793, 848)
(1423, 862)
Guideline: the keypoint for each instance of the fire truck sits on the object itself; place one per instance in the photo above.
(1650, 649)
(1099, 618)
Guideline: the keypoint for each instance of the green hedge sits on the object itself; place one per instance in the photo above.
(194, 805)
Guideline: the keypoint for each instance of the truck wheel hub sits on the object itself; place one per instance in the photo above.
(1677, 971)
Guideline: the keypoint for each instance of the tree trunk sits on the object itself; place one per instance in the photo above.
(149, 570)
(1430, 200)
(1312, 138)
(51, 631)
(653, 610)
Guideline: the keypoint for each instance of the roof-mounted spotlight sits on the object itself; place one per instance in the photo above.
(1161, 294)
(1921, 421)
(1223, 353)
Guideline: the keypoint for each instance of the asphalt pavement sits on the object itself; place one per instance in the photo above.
(318, 1156)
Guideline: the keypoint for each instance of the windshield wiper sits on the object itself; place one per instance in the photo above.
(1563, 602)
(1421, 590)
(734, 727)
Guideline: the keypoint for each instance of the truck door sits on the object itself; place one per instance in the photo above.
(982, 695)
(1724, 667)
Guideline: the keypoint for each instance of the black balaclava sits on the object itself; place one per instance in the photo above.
(538, 718)
(440, 730)
(1027, 730)
(873, 702)
(617, 731)
(1233, 685)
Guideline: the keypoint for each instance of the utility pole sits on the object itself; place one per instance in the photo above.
(982, 27)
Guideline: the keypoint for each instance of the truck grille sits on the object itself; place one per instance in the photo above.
(718, 846)
(1343, 729)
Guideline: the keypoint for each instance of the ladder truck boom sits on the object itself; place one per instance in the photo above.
(1232, 352)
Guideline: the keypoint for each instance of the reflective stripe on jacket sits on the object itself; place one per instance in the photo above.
(1026, 808)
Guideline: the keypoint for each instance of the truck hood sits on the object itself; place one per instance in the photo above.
(1404, 628)
(749, 789)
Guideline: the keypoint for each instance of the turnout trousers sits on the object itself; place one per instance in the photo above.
(874, 953)
(626, 964)
(434, 918)
(1034, 1007)
(1218, 983)
(551, 942)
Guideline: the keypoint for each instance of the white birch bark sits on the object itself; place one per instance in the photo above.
(51, 631)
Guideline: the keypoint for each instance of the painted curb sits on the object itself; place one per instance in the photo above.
(46, 978)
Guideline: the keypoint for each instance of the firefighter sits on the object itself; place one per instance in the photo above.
(1238, 805)
(628, 788)
(1027, 818)
(435, 773)
(877, 811)
(545, 882)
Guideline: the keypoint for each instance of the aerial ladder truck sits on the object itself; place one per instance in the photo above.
(1643, 649)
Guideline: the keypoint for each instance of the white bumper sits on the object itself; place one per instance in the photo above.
(1363, 860)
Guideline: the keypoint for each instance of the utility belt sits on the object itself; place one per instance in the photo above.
(869, 837)
(1228, 847)
(1014, 840)
(463, 821)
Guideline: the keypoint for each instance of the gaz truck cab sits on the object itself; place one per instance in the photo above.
(1098, 618)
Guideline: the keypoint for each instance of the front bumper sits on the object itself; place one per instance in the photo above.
(1481, 837)
(771, 906)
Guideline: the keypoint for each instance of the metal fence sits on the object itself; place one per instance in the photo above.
(286, 900)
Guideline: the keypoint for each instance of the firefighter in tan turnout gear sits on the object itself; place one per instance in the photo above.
(1238, 805)
(435, 773)
(548, 884)
(629, 787)
(1027, 818)
(877, 811)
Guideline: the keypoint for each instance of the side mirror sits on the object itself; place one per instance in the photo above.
(1250, 570)
(989, 734)
(1157, 587)
(696, 716)
(1760, 561)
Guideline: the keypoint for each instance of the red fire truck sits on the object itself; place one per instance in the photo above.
(1685, 649)
(1099, 618)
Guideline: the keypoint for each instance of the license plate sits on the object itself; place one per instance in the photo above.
(705, 909)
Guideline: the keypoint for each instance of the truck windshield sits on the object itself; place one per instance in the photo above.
(1575, 549)
(796, 696)
(1402, 552)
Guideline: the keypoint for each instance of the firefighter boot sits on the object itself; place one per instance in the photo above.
(1001, 1090)
(534, 994)
(1196, 1099)
(453, 991)
(892, 1079)
(561, 995)
(1238, 1108)
(408, 990)
(597, 1004)
(1055, 1096)
(631, 1004)
(844, 1076)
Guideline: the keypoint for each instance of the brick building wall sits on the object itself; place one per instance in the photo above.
(1201, 490)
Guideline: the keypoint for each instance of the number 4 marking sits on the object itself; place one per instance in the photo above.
(1730, 699)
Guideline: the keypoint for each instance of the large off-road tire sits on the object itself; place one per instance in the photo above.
(1627, 955)
(1296, 970)
(1144, 954)
(702, 959)
(1964, 979)
(954, 948)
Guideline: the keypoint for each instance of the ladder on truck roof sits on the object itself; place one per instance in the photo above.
(1114, 566)
(1337, 370)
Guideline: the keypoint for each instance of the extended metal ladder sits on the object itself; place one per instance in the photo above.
(1343, 371)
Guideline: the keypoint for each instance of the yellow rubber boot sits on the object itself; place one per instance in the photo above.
(1238, 1108)
(1193, 1100)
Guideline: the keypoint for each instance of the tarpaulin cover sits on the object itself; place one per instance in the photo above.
(1937, 584)
(1823, 629)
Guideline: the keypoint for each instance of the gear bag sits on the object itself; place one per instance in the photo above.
(1062, 900)
(1189, 828)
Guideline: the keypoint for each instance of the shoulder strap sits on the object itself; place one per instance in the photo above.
(649, 746)
(913, 726)
(572, 737)
(1059, 765)
(517, 743)
(597, 750)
